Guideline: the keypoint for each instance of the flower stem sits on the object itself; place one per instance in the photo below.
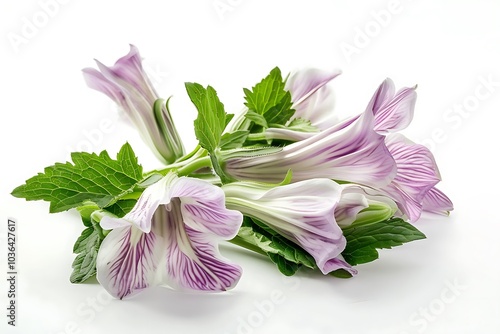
(194, 166)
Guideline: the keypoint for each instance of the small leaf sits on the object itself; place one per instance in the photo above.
(270, 99)
(364, 240)
(211, 119)
(86, 246)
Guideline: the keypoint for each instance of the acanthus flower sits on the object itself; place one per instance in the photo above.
(351, 151)
(170, 238)
(127, 84)
(302, 212)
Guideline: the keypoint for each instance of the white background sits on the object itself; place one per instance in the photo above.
(447, 283)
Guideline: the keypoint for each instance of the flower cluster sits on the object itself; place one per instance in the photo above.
(285, 178)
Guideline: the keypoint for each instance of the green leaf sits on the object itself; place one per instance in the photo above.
(267, 93)
(281, 112)
(364, 240)
(270, 99)
(287, 268)
(91, 177)
(234, 139)
(288, 256)
(86, 246)
(211, 119)
(228, 119)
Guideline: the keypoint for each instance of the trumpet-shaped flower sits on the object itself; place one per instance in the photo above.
(302, 212)
(127, 84)
(170, 238)
(351, 151)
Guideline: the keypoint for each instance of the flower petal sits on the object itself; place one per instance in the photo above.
(393, 112)
(339, 263)
(128, 70)
(97, 81)
(203, 207)
(142, 212)
(127, 261)
(417, 174)
(312, 99)
(437, 202)
(192, 259)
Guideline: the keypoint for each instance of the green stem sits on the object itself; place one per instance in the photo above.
(257, 136)
(194, 166)
(195, 159)
(188, 156)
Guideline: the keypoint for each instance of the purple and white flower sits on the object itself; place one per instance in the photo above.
(351, 151)
(170, 238)
(302, 212)
(127, 84)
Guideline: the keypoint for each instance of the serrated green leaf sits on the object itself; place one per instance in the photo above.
(86, 246)
(281, 112)
(91, 177)
(270, 99)
(364, 240)
(211, 119)
(233, 140)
